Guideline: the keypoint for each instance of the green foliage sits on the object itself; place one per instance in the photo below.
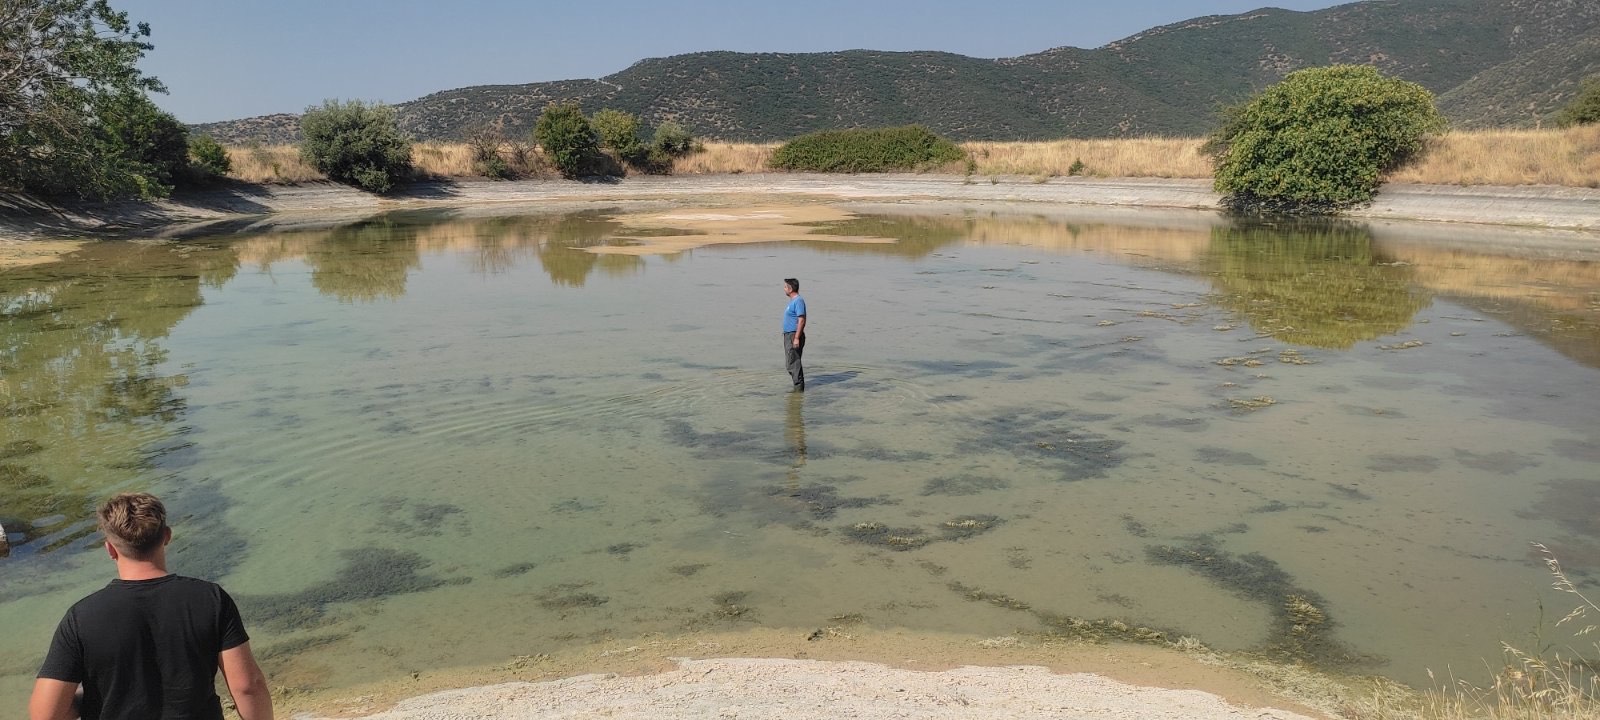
(672, 140)
(73, 115)
(148, 143)
(1584, 109)
(208, 158)
(866, 150)
(356, 143)
(1078, 168)
(1320, 141)
(568, 140)
(619, 132)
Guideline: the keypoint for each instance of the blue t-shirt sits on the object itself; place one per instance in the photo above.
(793, 313)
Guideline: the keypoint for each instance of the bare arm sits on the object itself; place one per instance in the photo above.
(52, 700)
(246, 683)
(799, 329)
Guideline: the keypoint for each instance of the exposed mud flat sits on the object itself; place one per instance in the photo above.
(265, 207)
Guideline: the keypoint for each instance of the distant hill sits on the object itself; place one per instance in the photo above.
(1492, 63)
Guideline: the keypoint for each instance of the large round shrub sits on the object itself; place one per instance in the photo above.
(866, 150)
(1320, 140)
(569, 141)
(356, 143)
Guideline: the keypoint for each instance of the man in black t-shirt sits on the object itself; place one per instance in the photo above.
(149, 644)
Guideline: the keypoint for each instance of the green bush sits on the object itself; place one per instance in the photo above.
(1584, 109)
(208, 158)
(672, 140)
(866, 150)
(1320, 140)
(619, 132)
(356, 143)
(568, 140)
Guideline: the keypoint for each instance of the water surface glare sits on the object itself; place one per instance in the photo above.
(427, 442)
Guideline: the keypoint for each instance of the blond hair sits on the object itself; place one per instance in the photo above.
(134, 523)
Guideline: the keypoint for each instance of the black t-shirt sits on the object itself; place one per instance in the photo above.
(147, 648)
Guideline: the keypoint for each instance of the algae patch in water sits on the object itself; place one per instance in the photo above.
(881, 535)
(963, 485)
(570, 596)
(968, 526)
(1045, 439)
(19, 448)
(514, 570)
(1301, 627)
(415, 519)
(368, 574)
(822, 502)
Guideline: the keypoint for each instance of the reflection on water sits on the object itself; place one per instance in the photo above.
(1279, 439)
(1318, 284)
(88, 397)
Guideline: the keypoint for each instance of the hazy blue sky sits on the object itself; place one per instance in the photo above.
(225, 59)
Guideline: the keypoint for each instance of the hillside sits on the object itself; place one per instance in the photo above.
(1492, 62)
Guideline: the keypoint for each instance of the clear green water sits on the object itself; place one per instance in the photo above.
(425, 442)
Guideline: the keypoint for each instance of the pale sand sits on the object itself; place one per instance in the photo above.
(757, 689)
(851, 671)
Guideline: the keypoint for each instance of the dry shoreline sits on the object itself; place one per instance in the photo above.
(849, 672)
(250, 207)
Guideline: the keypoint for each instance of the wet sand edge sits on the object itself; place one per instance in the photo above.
(1146, 674)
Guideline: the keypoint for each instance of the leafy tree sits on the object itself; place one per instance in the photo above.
(1584, 109)
(66, 67)
(356, 143)
(1320, 140)
(208, 157)
(619, 132)
(568, 139)
(145, 142)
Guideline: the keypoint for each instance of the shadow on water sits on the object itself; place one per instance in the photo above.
(1317, 283)
(816, 381)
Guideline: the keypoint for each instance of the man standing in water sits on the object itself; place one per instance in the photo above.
(794, 332)
(149, 644)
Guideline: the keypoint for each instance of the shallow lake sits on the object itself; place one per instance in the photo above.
(430, 440)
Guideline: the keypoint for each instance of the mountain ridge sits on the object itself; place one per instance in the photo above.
(1493, 63)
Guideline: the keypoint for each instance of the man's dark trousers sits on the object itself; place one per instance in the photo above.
(791, 357)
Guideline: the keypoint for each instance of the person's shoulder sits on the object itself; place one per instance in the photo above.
(192, 584)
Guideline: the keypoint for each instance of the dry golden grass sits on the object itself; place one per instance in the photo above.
(724, 158)
(1130, 157)
(445, 160)
(1569, 157)
(271, 164)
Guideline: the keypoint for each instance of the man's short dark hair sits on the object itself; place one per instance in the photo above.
(792, 283)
